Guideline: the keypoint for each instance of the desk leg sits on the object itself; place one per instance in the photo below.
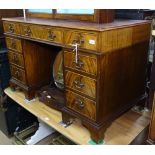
(43, 131)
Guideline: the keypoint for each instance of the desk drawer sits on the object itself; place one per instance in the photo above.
(86, 63)
(53, 35)
(16, 59)
(14, 44)
(43, 33)
(12, 28)
(18, 74)
(81, 104)
(80, 83)
(87, 40)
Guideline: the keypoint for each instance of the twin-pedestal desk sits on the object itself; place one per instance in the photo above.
(103, 77)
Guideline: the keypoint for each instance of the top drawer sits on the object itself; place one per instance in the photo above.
(86, 40)
(42, 32)
(12, 28)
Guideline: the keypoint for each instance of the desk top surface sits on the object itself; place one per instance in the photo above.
(78, 24)
(122, 131)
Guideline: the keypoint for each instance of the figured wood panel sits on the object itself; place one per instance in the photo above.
(115, 39)
(86, 40)
(130, 124)
(42, 33)
(81, 104)
(14, 44)
(86, 63)
(124, 37)
(11, 27)
(80, 83)
(141, 33)
(15, 58)
(18, 74)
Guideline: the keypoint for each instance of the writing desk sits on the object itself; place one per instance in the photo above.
(103, 77)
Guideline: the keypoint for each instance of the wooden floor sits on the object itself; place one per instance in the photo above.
(4, 140)
(122, 131)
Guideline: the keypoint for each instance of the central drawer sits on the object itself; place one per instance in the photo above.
(80, 83)
(18, 74)
(42, 32)
(14, 44)
(81, 104)
(16, 58)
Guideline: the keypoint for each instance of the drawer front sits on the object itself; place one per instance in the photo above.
(43, 33)
(81, 104)
(16, 59)
(86, 63)
(80, 83)
(53, 35)
(85, 40)
(12, 28)
(14, 44)
(31, 31)
(18, 74)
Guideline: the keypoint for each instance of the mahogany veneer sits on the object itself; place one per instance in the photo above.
(107, 79)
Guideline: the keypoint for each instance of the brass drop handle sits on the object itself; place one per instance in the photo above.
(79, 103)
(78, 40)
(13, 44)
(15, 58)
(78, 84)
(11, 29)
(27, 31)
(79, 64)
(51, 35)
(17, 74)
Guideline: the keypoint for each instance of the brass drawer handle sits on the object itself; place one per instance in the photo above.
(78, 40)
(11, 29)
(15, 58)
(79, 103)
(27, 31)
(13, 44)
(17, 74)
(79, 64)
(78, 84)
(51, 35)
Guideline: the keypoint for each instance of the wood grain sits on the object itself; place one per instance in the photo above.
(130, 124)
(88, 109)
(82, 38)
(88, 26)
(89, 84)
(14, 44)
(16, 59)
(18, 74)
(11, 27)
(42, 33)
(88, 62)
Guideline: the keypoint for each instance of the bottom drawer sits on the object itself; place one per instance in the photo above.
(81, 104)
(18, 74)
